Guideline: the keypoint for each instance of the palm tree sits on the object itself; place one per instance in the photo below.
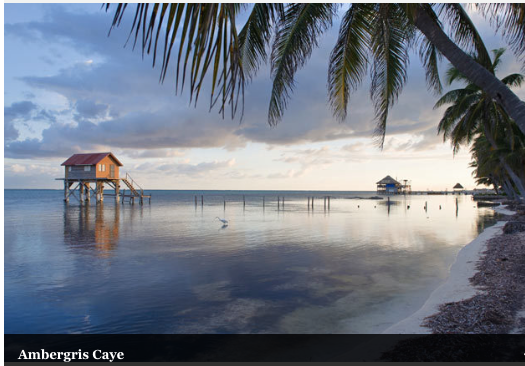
(210, 44)
(473, 112)
(487, 166)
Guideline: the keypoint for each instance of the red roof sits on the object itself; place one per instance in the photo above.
(89, 159)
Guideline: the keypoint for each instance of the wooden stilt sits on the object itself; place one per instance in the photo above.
(117, 189)
(66, 190)
(81, 192)
(97, 187)
(88, 192)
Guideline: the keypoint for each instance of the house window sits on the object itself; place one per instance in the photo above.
(87, 168)
(69, 168)
(102, 168)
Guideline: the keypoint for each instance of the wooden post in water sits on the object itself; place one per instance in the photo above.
(88, 193)
(325, 203)
(66, 190)
(328, 203)
(97, 188)
(263, 203)
(283, 202)
(81, 192)
(195, 201)
(117, 190)
(243, 202)
(312, 202)
(224, 198)
(202, 200)
(308, 203)
(278, 203)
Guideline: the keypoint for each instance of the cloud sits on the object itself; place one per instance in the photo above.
(195, 170)
(116, 100)
(23, 112)
(90, 109)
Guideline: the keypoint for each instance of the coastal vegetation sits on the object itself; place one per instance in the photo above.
(210, 43)
(474, 118)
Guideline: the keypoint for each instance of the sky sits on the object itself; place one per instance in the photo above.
(70, 88)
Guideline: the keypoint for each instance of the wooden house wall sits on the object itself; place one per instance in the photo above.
(77, 172)
(107, 161)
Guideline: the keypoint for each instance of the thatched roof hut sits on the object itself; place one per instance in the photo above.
(388, 180)
(388, 185)
(458, 187)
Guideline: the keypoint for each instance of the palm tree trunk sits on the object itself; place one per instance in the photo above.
(495, 183)
(508, 190)
(476, 73)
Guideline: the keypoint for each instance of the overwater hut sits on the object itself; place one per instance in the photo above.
(97, 169)
(389, 185)
(92, 166)
(458, 188)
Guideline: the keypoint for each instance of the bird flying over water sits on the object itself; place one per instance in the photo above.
(225, 222)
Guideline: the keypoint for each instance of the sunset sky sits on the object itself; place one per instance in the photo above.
(69, 88)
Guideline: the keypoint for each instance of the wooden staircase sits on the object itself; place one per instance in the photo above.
(135, 190)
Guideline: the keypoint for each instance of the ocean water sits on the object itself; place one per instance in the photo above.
(172, 267)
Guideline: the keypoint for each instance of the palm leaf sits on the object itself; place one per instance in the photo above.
(349, 58)
(509, 18)
(390, 46)
(296, 37)
(464, 32)
(513, 80)
(206, 37)
(255, 36)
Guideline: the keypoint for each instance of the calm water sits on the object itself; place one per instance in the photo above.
(171, 267)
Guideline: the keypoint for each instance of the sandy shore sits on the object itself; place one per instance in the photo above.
(457, 287)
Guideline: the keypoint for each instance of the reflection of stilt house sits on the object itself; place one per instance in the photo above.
(389, 185)
(91, 172)
(97, 231)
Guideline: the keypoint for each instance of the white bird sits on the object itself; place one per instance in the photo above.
(225, 222)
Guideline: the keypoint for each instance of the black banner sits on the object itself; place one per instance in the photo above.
(269, 348)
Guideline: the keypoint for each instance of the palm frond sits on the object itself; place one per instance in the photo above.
(452, 96)
(349, 59)
(498, 53)
(513, 80)
(509, 18)
(430, 58)
(390, 48)
(296, 37)
(207, 39)
(255, 35)
(464, 32)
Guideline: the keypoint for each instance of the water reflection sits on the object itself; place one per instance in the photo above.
(168, 268)
(92, 228)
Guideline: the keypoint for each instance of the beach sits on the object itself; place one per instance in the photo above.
(467, 289)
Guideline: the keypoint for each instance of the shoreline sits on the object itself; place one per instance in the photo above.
(458, 286)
